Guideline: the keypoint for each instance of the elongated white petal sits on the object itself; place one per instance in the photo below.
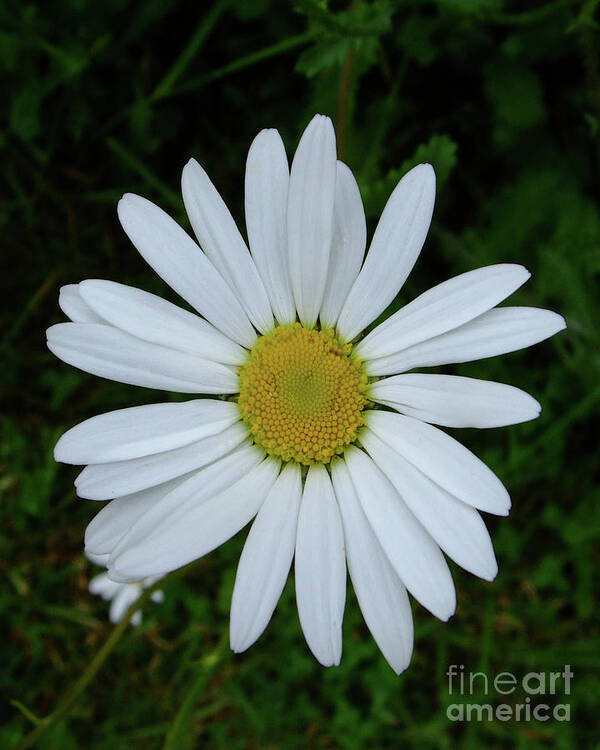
(198, 487)
(105, 481)
(455, 526)
(103, 586)
(193, 528)
(320, 568)
(414, 555)
(455, 401)
(97, 559)
(265, 560)
(113, 354)
(155, 320)
(221, 240)
(143, 431)
(501, 330)
(347, 247)
(115, 519)
(381, 594)
(442, 308)
(124, 598)
(71, 303)
(394, 250)
(177, 259)
(310, 216)
(266, 192)
(442, 459)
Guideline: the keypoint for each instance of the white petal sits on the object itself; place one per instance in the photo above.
(320, 568)
(122, 601)
(192, 527)
(113, 354)
(143, 430)
(455, 401)
(347, 246)
(110, 525)
(265, 561)
(455, 526)
(443, 459)
(155, 320)
(266, 192)
(501, 330)
(310, 216)
(442, 308)
(177, 259)
(221, 240)
(196, 488)
(414, 555)
(102, 585)
(73, 306)
(394, 250)
(105, 481)
(381, 594)
(97, 559)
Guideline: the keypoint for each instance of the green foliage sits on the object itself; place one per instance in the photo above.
(103, 98)
(440, 151)
(352, 32)
(515, 93)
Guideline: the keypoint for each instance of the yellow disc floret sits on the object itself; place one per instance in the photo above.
(301, 395)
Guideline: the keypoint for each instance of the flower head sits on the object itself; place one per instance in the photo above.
(318, 431)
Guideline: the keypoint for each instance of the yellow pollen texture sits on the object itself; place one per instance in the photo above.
(301, 396)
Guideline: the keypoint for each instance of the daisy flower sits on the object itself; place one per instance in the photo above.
(120, 595)
(314, 429)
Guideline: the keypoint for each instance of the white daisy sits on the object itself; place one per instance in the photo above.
(120, 595)
(314, 430)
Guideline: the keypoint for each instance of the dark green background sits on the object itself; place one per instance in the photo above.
(100, 98)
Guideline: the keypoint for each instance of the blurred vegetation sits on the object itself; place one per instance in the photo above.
(101, 98)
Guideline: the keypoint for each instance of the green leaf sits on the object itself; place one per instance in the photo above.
(416, 37)
(322, 56)
(515, 93)
(25, 112)
(355, 30)
(471, 7)
(440, 151)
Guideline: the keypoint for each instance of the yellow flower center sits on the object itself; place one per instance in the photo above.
(301, 395)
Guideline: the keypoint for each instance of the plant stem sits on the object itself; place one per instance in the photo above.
(196, 41)
(177, 733)
(72, 694)
(243, 62)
